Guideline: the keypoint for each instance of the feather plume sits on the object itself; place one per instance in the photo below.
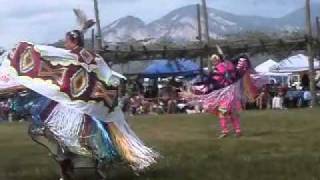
(219, 50)
(83, 21)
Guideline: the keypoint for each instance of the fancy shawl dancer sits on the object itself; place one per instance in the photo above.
(74, 103)
(229, 88)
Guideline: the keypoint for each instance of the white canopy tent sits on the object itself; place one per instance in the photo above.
(293, 64)
(265, 68)
(274, 78)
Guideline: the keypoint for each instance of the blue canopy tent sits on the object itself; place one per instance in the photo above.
(164, 68)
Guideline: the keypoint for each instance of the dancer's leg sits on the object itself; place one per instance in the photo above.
(235, 120)
(66, 170)
(223, 118)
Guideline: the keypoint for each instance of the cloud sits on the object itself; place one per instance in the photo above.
(36, 20)
(44, 21)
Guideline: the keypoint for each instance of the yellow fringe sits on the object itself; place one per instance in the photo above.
(121, 144)
(249, 89)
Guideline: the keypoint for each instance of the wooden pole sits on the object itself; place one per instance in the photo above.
(318, 36)
(206, 21)
(206, 30)
(99, 34)
(199, 23)
(318, 27)
(310, 53)
(200, 38)
(92, 39)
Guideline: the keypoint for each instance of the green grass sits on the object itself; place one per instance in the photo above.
(277, 145)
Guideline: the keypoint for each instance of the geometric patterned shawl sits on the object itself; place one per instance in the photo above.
(79, 80)
(82, 84)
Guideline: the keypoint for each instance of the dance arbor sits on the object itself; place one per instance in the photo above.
(127, 53)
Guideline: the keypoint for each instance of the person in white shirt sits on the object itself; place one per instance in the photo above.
(307, 97)
(277, 102)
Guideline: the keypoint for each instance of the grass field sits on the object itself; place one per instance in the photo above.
(277, 145)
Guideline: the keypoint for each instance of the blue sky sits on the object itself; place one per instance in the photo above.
(44, 21)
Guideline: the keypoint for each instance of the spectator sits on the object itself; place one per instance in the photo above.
(262, 99)
(4, 110)
(277, 101)
(2, 114)
(135, 104)
(305, 81)
(172, 106)
(307, 97)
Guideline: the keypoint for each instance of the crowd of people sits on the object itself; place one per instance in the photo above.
(154, 100)
(169, 102)
(166, 100)
(12, 108)
(282, 97)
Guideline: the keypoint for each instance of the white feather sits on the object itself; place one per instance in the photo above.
(83, 22)
(219, 50)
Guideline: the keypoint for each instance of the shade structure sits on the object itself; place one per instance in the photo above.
(297, 63)
(164, 68)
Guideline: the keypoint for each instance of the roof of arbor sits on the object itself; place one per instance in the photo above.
(124, 54)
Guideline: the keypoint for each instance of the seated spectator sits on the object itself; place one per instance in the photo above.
(135, 103)
(146, 106)
(198, 108)
(172, 106)
(195, 108)
(277, 102)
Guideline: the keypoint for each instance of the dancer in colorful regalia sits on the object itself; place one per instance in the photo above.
(226, 92)
(75, 107)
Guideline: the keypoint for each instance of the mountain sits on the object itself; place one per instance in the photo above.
(181, 25)
(297, 18)
(125, 29)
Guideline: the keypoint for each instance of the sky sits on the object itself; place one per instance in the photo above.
(46, 21)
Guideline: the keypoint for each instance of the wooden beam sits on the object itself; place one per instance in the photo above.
(164, 52)
(206, 21)
(262, 44)
(200, 39)
(318, 36)
(131, 48)
(318, 27)
(99, 33)
(233, 48)
(199, 23)
(206, 30)
(310, 52)
(92, 39)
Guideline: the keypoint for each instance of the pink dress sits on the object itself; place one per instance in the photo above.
(231, 98)
(224, 74)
